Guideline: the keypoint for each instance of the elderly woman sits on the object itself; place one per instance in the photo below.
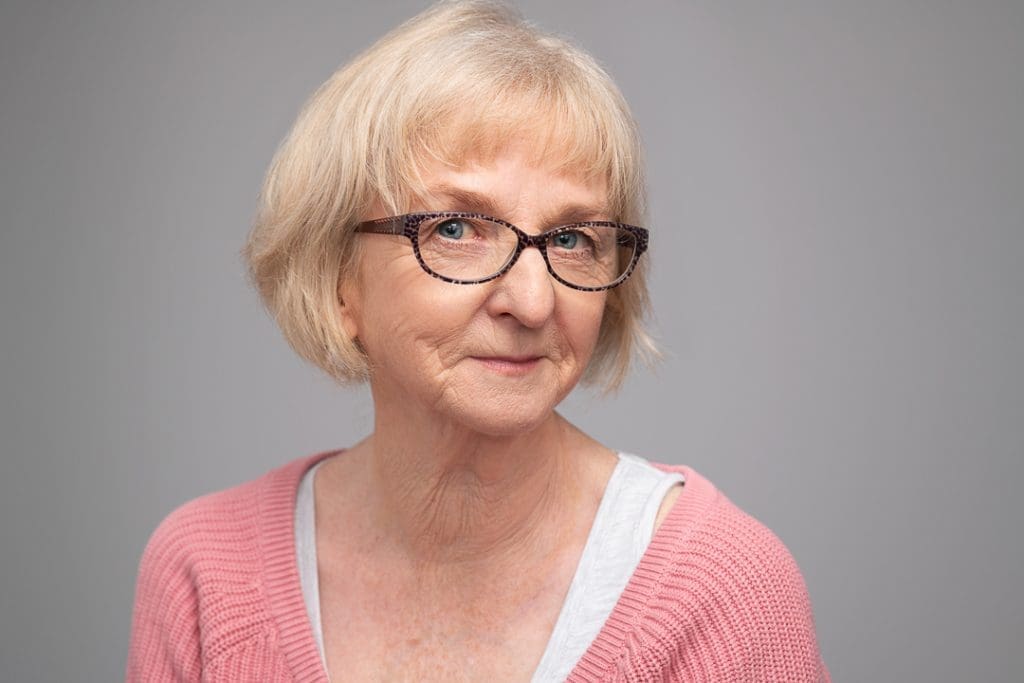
(454, 219)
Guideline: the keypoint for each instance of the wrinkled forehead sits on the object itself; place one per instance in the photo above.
(513, 188)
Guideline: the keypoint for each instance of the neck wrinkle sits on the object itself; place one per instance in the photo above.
(468, 502)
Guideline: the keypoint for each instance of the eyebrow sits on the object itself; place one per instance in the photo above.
(474, 202)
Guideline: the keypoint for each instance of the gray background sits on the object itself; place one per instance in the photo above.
(838, 217)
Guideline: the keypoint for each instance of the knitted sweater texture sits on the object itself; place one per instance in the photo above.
(716, 597)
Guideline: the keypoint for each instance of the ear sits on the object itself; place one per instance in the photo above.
(348, 307)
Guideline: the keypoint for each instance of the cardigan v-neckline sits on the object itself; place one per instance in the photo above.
(276, 519)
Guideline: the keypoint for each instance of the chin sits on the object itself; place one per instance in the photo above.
(506, 420)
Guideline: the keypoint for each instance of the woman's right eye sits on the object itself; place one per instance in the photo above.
(452, 228)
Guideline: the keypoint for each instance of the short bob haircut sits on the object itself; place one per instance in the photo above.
(454, 84)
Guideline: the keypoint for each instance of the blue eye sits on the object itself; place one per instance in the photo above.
(566, 240)
(452, 229)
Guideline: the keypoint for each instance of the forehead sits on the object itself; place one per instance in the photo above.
(515, 180)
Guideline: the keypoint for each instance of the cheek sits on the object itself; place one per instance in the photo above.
(584, 325)
(421, 325)
(382, 304)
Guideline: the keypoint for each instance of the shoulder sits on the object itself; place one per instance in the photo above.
(199, 531)
(201, 584)
(733, 585)
(702, 511)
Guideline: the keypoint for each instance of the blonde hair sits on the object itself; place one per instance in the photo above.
(456, 82)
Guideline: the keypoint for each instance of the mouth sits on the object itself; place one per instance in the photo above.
(509, 366)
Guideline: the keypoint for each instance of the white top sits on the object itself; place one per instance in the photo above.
(621, 532)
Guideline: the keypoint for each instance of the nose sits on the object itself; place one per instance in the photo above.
(526, 292)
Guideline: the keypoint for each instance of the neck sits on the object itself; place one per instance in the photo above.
(443, 496)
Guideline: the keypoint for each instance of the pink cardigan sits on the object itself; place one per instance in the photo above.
(716, 597)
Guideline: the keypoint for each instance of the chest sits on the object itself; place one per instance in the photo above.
(381, 627)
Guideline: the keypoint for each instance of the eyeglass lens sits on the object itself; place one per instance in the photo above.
(476, 248)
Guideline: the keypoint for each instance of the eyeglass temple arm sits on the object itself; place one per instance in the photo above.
(640, 237)
(394, 225)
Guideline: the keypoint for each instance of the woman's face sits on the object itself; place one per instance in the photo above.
(495, 357)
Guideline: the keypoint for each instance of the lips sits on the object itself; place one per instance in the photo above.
(509, 366)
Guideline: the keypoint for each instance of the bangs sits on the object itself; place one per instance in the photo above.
(559, 136)
(481, 106)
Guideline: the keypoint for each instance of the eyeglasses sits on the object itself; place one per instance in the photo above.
(470, 248)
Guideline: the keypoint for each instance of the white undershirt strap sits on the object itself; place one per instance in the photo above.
(620, 534)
